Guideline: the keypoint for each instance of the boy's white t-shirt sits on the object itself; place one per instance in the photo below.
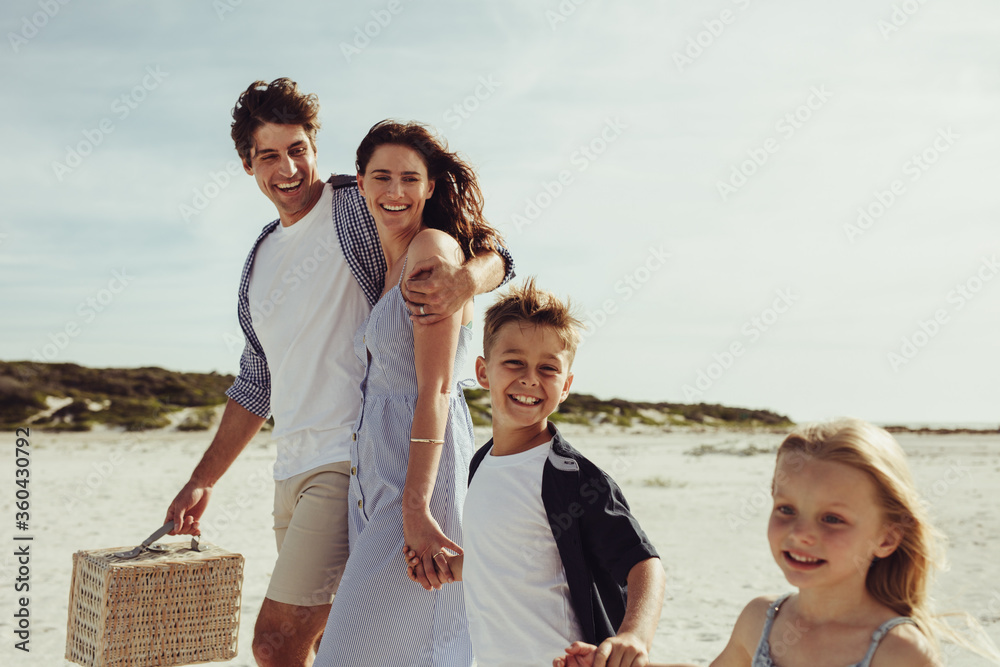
(305, 305)
(516, 596)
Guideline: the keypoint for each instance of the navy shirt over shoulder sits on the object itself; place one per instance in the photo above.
(359, 242)
(599, 540)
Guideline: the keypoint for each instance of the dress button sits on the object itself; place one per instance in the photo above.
(359, 503)
(354, 436)
(354, 470)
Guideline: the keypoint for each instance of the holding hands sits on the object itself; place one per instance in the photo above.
(427, 550)
(624, 650)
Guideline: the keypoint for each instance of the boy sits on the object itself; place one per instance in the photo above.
(549, 541)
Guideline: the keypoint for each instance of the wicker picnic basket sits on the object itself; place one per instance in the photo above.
(172, 606)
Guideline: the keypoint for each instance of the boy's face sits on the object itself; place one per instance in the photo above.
(527, 374)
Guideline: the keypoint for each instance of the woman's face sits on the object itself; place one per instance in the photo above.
(396, 186)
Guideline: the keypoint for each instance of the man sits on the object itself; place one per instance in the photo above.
(308, 284)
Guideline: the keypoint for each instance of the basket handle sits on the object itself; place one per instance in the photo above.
(166, 528)
(147, 544)
(158, 533)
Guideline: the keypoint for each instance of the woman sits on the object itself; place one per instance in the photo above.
(414, 437)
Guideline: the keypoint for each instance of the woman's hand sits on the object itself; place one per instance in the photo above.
(415, 568)
(427, 543)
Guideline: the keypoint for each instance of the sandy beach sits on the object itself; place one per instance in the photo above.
(703, 497)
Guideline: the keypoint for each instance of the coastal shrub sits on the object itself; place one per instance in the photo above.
(135, 414)
(663, 483)
(199, 419)
(561, 417)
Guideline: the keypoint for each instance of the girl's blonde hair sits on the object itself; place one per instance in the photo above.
(900, 581)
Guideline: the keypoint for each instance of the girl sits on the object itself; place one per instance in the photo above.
(413, 439)
(851, 534)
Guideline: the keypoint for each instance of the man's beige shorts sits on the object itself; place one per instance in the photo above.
(310, 526)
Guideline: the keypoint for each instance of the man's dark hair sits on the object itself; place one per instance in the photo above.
(277, 102)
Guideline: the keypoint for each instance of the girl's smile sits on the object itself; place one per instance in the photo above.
(827, 525)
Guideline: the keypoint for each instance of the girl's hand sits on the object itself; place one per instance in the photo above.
(426, 544)
(579, 654)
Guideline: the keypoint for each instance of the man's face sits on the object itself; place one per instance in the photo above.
(283, 162)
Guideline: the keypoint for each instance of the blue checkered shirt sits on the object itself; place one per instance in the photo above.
(359, 241)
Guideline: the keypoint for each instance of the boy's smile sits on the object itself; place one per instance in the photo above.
(528, 375)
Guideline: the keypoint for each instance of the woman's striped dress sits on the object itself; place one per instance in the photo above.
(380, 617)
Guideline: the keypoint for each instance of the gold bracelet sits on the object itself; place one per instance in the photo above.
(430, 440)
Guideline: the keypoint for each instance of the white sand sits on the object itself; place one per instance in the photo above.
(706, 515)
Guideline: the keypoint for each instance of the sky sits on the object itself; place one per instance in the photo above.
(774, 205)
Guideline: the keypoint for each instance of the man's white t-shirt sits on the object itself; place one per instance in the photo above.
(305, 305)
(516, 596)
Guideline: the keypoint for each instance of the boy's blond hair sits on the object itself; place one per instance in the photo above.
(530, 305)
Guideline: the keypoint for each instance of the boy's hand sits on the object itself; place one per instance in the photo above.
(623, 650)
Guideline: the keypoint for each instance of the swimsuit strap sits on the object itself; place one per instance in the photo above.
(772, 611)
(764, 645)
(403, 271)
(880, 633)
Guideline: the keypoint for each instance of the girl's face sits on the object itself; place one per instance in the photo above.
(827, 524)
(396, 186)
